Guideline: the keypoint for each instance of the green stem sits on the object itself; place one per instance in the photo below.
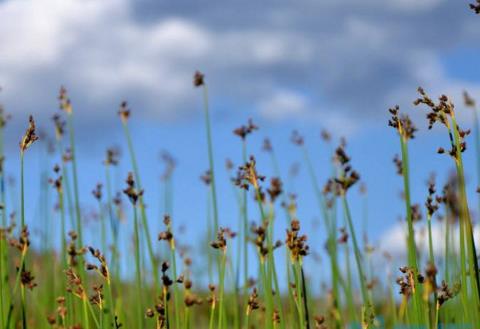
(221, 290)
(412, 249)
(210, 158)
(142, 207)
(137, 269)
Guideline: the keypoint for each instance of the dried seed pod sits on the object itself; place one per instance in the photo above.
(30, 137)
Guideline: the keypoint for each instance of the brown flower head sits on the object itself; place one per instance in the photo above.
(468, 100)
(402, 123)
(131, 190)
(65, 104)
(59, 126)
(124, 112)
(198, 79)
(221, 242)
(296, 243)
(297, 139)
(97, 192)
(347, 176)
(245, 130)
(267, 145)
(30, 137)
(275, 189)
(111, 157)
(4, 118)
(247, 175)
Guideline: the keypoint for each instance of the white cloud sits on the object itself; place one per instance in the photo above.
(394, 239)
(356, 59)
(284, 104)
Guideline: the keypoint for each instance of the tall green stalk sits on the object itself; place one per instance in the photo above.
(138, 275)
(141, 204)
(411, 245)
(210, 158)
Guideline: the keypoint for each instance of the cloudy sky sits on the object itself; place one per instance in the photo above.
(306, 65)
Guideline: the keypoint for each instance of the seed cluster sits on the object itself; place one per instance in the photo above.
(296, 243)
(30, 137)
(245, 130)
(402, 123)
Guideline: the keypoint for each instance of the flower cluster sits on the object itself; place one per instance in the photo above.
(245, 130)
(402, 123)
(296, 243)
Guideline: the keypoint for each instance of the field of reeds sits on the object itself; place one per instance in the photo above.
(252, 276)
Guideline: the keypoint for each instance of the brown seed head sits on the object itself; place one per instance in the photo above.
(198, 79)
(30, 137)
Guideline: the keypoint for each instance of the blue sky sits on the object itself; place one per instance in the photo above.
(304, 65)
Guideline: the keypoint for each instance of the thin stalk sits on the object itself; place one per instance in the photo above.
(75, 180)
(175, 286)
(221, 290)
(210, 158)
(299, 299)
(138, 269)
(142, 207)
(3, 246)
(356, 252)
(245, 230)
(329, 227)
(465, 213)
(412, 249)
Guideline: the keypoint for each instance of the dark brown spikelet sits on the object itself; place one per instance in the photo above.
(319, 322)
(267, 145)
(222, 235)
(431, 204)
(468, 100)
(198, 79)
(253, 303)
(4, 118)
(97, 192)
(438, 112)
(296, 138)
(325, 136)
(275, 189)
(191, 300)
(245, 130)
(102, 269)
(111, 157)
(347, 176)
(27, 279)
(343, 236)
(207, 177)
(131, 191)
(59, 126)
(475, 7)
(260, 239)
(30, 137)
(416, 213)
(65, 103)
(445, 293)
(398, 164)
(74, 284)
(443, 112)
(248, 175)
(124, 112)
(296, 243)
(402, 123)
